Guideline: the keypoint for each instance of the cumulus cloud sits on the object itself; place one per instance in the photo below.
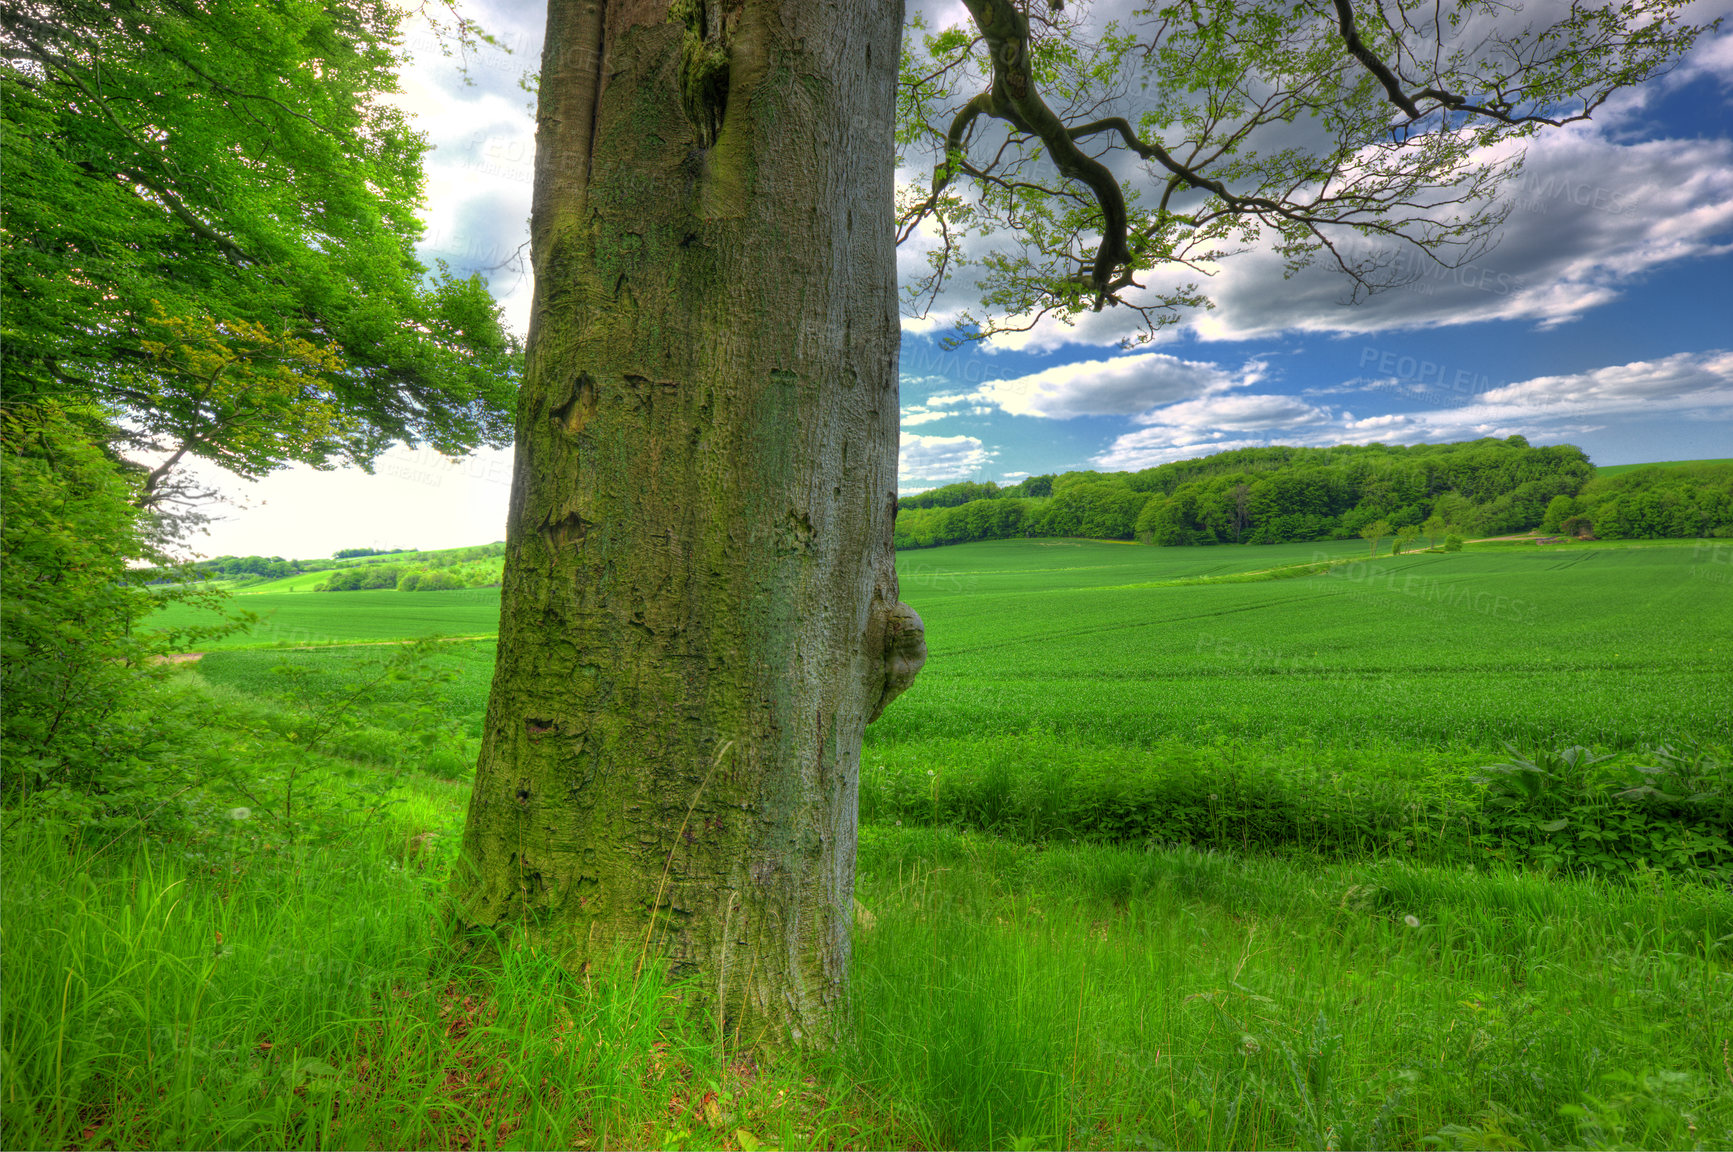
(1588, 215)
(1237, 413)
(1210, 424)
(941, 406)
(1683, 379)
(1152, 446)
(1695, 385)
(940, 458)
(1698, 384)
(1120, 386)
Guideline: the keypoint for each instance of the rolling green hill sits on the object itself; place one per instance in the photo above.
(1617, 469)
(1118, 645)
(1575, 643)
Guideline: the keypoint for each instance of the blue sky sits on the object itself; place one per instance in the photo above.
(1603, 318)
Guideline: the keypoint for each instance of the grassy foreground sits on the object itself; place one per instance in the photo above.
(239, 993)
(1143, 866)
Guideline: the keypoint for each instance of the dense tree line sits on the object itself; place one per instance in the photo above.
(263, 567)
(1281, 495)
(1676, 502)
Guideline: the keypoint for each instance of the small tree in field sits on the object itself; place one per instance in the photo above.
(1405, 538)
(700, 611)
(1374, 532)
(1434, 528)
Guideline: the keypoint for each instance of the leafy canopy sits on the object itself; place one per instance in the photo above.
(209, 230)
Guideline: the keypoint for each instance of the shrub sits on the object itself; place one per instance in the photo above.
(1569, 809)
(75, 661)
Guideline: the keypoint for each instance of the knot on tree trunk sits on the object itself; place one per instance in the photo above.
(905, 651)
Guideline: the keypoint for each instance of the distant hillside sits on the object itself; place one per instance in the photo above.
(353, 568)
(1283, 495)
(1619, 469)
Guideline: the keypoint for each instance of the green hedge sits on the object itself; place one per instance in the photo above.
(1570, 809)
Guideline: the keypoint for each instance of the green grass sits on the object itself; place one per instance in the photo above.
(1615, 469)
(268, 673)
(226, 991)
(301, 619)
(1103, 997)
(228, 985)
(1422, 652)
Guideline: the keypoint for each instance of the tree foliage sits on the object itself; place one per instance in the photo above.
(73, 648)
(209, 233)
(208, 229)
(1097, 153)
(1646, 503)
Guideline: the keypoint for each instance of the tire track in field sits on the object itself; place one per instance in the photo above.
(1573, 561)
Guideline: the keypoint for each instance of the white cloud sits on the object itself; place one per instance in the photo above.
(1682, 379)
(1238, 413)
(1589, 215)
(1713, 57)
(1152, 446)
(940, 458)
(1200, 427)
(1391, 422)
(1120, 386)
(1596, 207)
(1695, 385)
(1689, 385)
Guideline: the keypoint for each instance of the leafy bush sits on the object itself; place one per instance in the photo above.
(76, 664)
(1576, 808)
(1570, 809)
(362, 578)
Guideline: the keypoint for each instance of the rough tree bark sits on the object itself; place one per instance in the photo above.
(700, 611)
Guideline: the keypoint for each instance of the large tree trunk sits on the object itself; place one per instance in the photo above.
(700, 610)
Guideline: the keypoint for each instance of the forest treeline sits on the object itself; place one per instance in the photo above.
(1278, 495)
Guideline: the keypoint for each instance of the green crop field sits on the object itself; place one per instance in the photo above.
(1618, 646)
(1114, 644)
(296, 619)
(301, 582)
(1283, 696)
